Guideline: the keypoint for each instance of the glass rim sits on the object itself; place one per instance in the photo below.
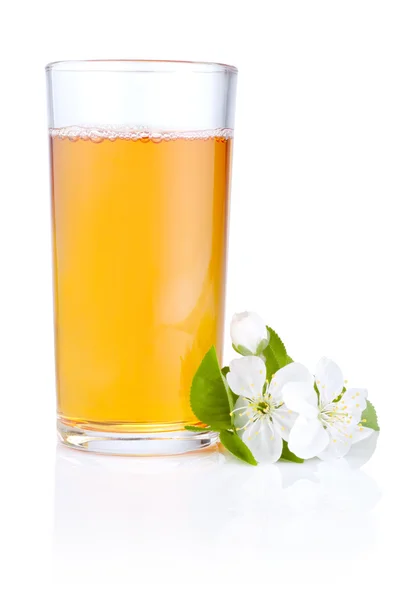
(139, 66)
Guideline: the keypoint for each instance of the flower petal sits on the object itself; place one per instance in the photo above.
(362, 433)
(339, 445)
(329, 380)
(308, 438)
(263, 441)
(284, 419)
(248, 330)
(301, 398)
(247, 376)
(355, 401)
(241, 412)
(294, 372)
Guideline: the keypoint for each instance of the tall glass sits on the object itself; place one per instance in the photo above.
(140, 170)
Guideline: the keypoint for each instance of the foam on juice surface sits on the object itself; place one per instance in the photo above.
(112, 133)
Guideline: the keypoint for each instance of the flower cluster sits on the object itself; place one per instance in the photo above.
(316, 415)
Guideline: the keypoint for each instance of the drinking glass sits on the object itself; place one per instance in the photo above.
(140, 174)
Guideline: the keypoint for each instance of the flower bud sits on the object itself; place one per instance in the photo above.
(249, 333)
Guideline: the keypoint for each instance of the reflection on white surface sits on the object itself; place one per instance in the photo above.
(172, 518)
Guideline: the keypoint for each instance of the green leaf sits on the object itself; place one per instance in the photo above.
(275, 354)
(276, 344)
(237, 447)
(197, 429)
(242, 350)
(210, 397)
(288, 455)
(369, 417)
(225, 371)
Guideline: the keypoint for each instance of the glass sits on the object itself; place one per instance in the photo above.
(140, 170)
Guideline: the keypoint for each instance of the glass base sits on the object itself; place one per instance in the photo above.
(134, 444)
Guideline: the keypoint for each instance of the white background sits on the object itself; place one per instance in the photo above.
(320, 245)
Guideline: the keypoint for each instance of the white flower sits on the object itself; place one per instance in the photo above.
(326, 426)
(249, 333)
(260, 416)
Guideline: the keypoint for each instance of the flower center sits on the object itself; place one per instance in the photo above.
(334, 414)
(260, 407)
(263, 407)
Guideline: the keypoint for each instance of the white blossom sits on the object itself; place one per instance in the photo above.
(260, 415)
(328, 423)
(249, 333)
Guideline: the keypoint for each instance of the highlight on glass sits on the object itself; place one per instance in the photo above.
(140, 176)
